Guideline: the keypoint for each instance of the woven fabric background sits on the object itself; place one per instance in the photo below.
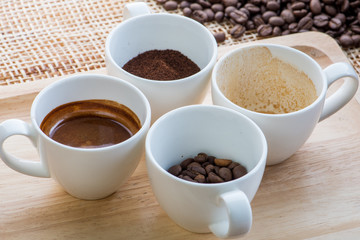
(47, 38)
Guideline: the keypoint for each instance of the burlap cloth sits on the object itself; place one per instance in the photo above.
(47, 38)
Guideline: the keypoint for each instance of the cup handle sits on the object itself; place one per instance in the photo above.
(345, 93)
(135, 9)
(239, 215)
(13, 127)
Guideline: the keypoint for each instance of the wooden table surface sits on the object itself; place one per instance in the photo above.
(313, 195)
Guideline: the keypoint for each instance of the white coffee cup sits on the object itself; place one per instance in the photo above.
(140, 32)
(221, 208)
(86, 173)
(286, 133)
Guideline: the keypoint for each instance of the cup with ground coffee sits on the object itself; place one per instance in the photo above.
(283, 90)
(89, 131)
(220, 205)
(167, 56)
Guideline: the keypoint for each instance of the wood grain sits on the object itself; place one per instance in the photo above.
(313, 195)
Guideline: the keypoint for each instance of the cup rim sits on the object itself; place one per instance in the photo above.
(138, 134)
(261, 162)
(216, 88)
(210, 63)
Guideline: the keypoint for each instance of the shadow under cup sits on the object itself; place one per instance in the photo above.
(163, 31)
(217, 131)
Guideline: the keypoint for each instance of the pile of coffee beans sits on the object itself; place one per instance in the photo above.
(208, 169)
(338, 18)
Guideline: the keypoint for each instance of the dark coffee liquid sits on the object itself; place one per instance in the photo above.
(90, 123)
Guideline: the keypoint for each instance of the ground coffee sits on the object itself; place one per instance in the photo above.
(161, 65)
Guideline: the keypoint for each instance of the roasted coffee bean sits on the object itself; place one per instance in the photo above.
(264, 30)
(321, 20)
(355, 29)
(217, 7)
(335, 23)
(273, 5)
(253, 9)
(229, 2)
(204, 3)
(213, 178)
(222, 162)
(346, 40)
(200, 16)
(288, 16)
(184, 4)
(225, 173)
(276, 31)
(219, 37)
(219, 16)
(276, 21)
(206, 172)
(187, 12)
(356, 40)
(267, 15)
(297, 5)
(237, 31)
(239, 16)
(331, 10)
(186, 162)
(201, 158)
(315, 7)
(195, 6)
(210, 14)
(175, 170)
(305, 23)
(300, 13)
(239, 171)
(170, 5)
(293, 28)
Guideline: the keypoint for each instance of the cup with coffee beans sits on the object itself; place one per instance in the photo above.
(169, 57)
(89, 131)
(283, 90)
(205, 164)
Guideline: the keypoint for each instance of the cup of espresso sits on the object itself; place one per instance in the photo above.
(283, 90)
(89, 131)
(220, 207)
(155, 38)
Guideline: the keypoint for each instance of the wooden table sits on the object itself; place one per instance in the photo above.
(313, 195)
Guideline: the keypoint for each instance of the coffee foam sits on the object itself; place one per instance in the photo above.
(258, 81)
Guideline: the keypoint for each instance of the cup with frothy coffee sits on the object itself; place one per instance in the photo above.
(283, 90)
(89, 131)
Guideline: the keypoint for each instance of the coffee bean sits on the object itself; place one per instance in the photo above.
(217, 7)
(297, 5)
(186, 162)
(356, 40)
(264, 30)
(195, 6)
(239, 171)
(213, 178)
(331, 10)
(335, 23)
(237, 31)
(206, 172)
(346, 40)
(288, 16)
(201, 157)
(276, 21)
(210, 14)
(222, 162)
(184, 4)
(204, 3)
(175, 170)
(267, 15)
(273, 5)
(315, 7)
(200, 16)
(253, 9)
(239, 16)
(200, 178)
(219, 37)
(225, 173)
(229, 2)
(170, 5)
(219, 16)
(187, 12)
(276, 31)
(355, 29)
(305, 23)
(321, 20)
